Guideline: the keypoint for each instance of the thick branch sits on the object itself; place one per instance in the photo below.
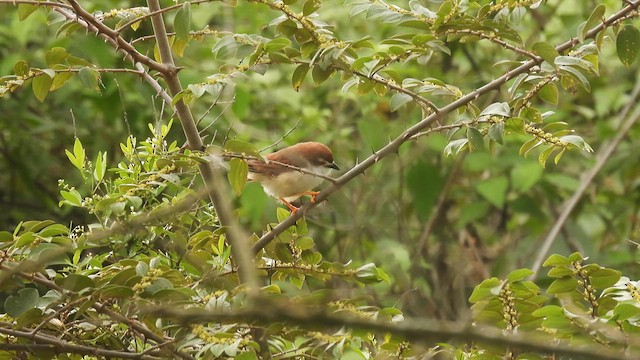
(417, 330)
(214, 182)
(114, 38)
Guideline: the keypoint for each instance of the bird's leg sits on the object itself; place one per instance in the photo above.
(313, 195)
(288, 204)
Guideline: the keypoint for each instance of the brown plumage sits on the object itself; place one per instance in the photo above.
(288, 184)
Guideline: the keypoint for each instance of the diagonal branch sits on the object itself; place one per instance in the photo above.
(425, 123)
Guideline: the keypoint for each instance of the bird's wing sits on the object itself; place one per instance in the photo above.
(267, 169)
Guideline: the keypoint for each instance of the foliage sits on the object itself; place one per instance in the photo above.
(96, 282)
(155, 269)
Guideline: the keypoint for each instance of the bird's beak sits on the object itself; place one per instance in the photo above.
(333, 166)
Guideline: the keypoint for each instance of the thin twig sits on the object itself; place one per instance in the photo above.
(283, 136)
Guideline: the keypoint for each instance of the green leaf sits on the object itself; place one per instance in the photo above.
(282, 214)
(90, 78)
(116, 291)
(497, 109)
(519, 274)
(56, 56)
(628, 44)
(597, 16)
(305, 243)
(24, 10)
(626, 311)
(544, 155)
(54, 230)
(76, 282)
(25, 239)
(72, 197)
(320, 75)
(5, 236)
(574, 75)
(277, 44)
(562, 285)
(560, 272)
(298, 76)
(532, 114)
(529, 145)
(546, 51)
(41, 86)
(182, 21)
(36, 225)
(603, 278)
(549, 310)
(399, 99)
(485, 290)
(556, 159)
(237, 175)
(369, 273)
(576, 256)
(60, 79)
(494, 190)
(247, 355)
(242, 147)
(26, 299)
(100, 166)
(21, 68)
(549, 93)
(311, 257)
(310, 6)
(476, 140)
(77, 158)
(577, 141)
(496, 132)
(29, 317)
(454, 147)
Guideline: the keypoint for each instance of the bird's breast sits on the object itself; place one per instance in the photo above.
(289, 185)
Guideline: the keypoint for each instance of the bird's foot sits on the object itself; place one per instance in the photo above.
(293, 209)
(313, 195)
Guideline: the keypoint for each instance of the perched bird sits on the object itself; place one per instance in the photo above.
(280, 175)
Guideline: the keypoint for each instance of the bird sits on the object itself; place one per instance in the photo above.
(293, 171)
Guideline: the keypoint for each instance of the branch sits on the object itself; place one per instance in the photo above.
(138, 65)
(408, 134)
(215, 183)
(37, 3)
(60, 346)
(107, 33)
(417, 330)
